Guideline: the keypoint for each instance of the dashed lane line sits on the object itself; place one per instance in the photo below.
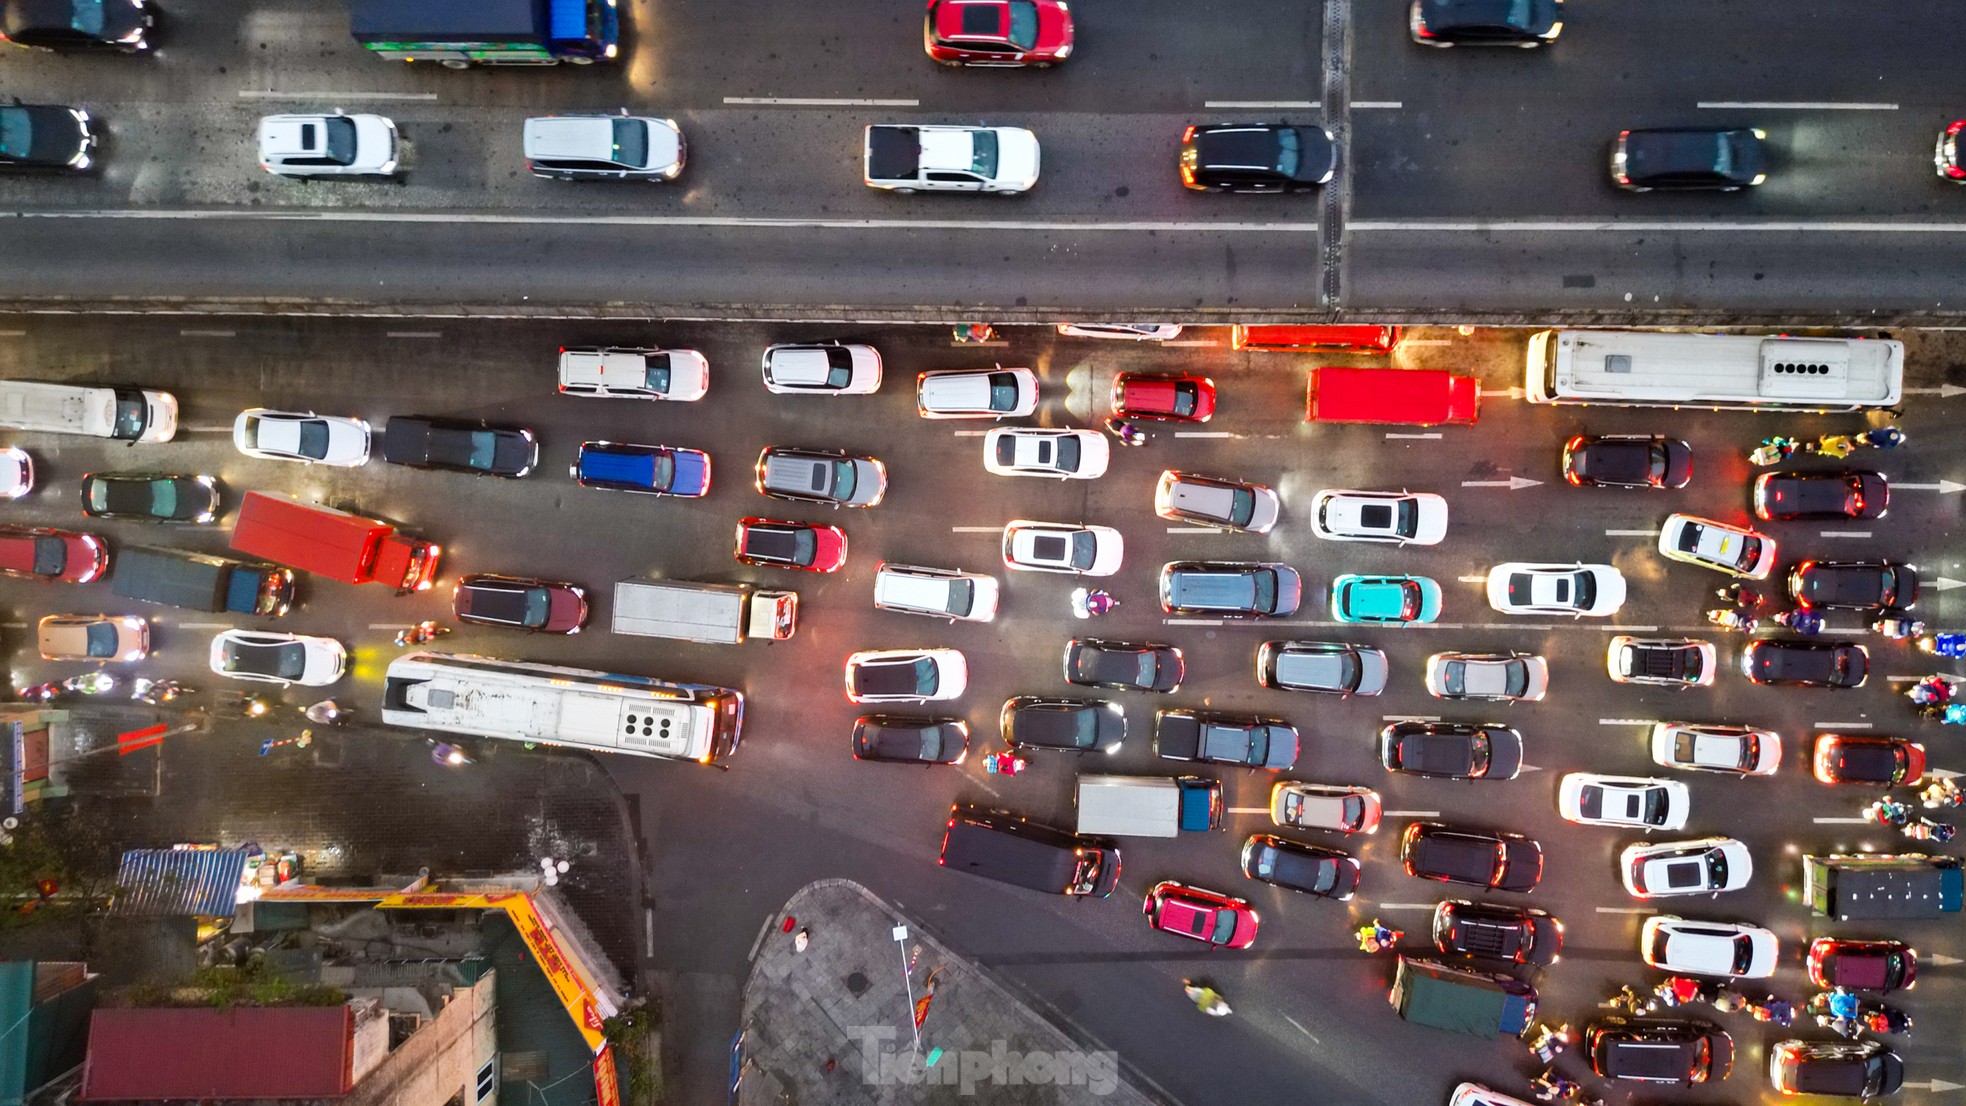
(413, 334)
(1198, 342)
(329, 97)
(1379, 104)
(208, 334)
(1624, 910)
(1844, 725)
(1846, 533)
(1411, 813)
(976, 529)
(1792, 105)
(1841, 821)
(1260, 104)
(1392, 435)
(1194, 530)
(1627, 226)
(1631, 533)
(1627, 721)
(816, 102)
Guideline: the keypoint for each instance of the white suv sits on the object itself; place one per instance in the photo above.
(634, 373)
(604, 147)
(937, 592)
(335, 145)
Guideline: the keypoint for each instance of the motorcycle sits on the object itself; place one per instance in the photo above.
(90, 683)
(41, 693)
(1092, 603)
(1852, 1016)
(420, 633)
(327, 712)
(1126, 432)
(1943, 644)
(157, 692)
(1732, 620)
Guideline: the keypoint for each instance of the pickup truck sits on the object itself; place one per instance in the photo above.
(951, 159)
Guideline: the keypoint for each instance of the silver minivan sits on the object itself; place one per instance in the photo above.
(125, 414)
(937, 592)
(1225, 504)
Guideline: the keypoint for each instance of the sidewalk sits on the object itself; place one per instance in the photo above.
(832, 1024)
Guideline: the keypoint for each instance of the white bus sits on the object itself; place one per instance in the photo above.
(545, 703)
(1749, 372)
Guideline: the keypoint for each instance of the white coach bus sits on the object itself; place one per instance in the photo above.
(1748, 372)
(524, 701)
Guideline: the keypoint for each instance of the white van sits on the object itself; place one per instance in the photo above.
(126, 414)
(936, 592)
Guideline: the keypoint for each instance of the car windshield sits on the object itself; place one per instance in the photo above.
(1655, 806)
(983, 153)
(538, 605)
(1289, 151)
(50, 556)
(1743, 954)
(631, 143)
(1003, 392)
(1263, 586)
(1023, 24)
(16, 132)
(1068, 454)
(1085, 548)
(1716, 868)
(484, 447)
(285, 660)
(132, 417)
(163, 498)
(1259, 744)
(101, 639)
(656, 373)
(1242, 506)
(1584, 591)
(1225, 927)
(312, 439)
(845, 479)
(88, 17)
(339, 133)
(839, 367)
(1456, 681)
(805, 546)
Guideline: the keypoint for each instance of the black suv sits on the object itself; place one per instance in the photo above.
(1795, 663)
(1854, 585)
(1497, 861)
(1627, 461)
(1851, 1069)
(118, 26)
(1257, 157)
(45, 138)
(1709, 159)
(1660, 1050)
(910, 740)
(1451, 750)
(1518, 934)
(1066, 725)
(1228, 589)
(1326, 873)
(1524, 23)
(1123, 666)
(455, 445)
(1824, 496)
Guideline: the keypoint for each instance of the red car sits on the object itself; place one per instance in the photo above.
(1862, 965)
(1181, 398)
(1868, 761)
(543, 606)
(1010, 33)
(1217, 919)
(805, 545)
(33, 553)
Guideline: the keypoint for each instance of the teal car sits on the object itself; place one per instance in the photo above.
(1397, 599)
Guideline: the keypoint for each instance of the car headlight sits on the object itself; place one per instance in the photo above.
(81, 116)
(1758, 178)
(81, 160)
(1064, 51)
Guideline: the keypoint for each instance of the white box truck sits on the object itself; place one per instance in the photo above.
(1148, 806)
(716, 614)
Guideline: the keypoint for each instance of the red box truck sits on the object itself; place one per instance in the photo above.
(1414, 397)
(331, 543)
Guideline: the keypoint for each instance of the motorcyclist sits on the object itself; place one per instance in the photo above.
(1126, 432)
(326, 712)
(1943, 644)
(1206, 999)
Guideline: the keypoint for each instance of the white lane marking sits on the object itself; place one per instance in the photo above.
(1475, 579)
(1627, 721)
(1527, 627)
(1301, 1029)
(1511, 393)
(1614, 225)
(1904, 679)
(1943, 487)
(997, 342)
(1204, 434)
(1192, 621)
(221, 428)
(1844, 725)
(1513, 483)
(386, 625)
(208, 334)
(330, 97)
(1393, 434)
(1194, 530)
(1633, 629)
(1405, 906)
(816, 102)
(1259, 103)
(1247, 810)
(1841, 821)
(1409, 717)
(1846, 533)
(1195, 342)
(1624, 910)
(489, 218)
(14, 625)
(204, 625)
(1943, 391)
(1793, 105)
(1631, 533)
(13, 333)
(976, 529)
(1369, 104)
(969, 433)
(413, 334)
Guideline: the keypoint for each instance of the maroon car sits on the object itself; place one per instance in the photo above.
(1862, 965)
(542, 606)
(1171, 398)
(34, 553)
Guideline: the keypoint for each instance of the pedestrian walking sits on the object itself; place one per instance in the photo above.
(801, 939)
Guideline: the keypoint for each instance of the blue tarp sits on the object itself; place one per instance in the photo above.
(199, 883)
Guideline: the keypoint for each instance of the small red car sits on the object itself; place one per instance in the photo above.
(1010, 33)
(804, 545)
(1171, 398)
(1862, 965)
(1868, 761)
(1218, 920)
(34, 553)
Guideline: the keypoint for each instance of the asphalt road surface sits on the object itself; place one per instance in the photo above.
(1472, 182)
(728, 848)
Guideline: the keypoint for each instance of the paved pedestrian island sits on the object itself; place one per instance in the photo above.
(834, 1023)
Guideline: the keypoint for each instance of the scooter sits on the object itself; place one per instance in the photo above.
(420, 633)
(1943, 644)
(90, 683)
(40, 693)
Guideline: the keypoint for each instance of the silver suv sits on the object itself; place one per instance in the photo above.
(821, 476)
(937, 592)
(604, 147)
(1206, 501)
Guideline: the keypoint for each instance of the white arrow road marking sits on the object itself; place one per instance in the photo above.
(1942, 773)
(1947, 583)
(1513, 483)
(1391, 435)
(1627, 721)
(1939, 961)
(1532, 768)
(1624, 910)
(1943, 391)
(1933, 1085)
(1943, 487)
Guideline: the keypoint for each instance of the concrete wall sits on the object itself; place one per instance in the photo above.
(441, 1059)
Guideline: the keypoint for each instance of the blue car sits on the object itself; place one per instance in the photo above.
(1395, 599)
(649, 469)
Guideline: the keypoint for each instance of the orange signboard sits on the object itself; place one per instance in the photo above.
(606, 1090)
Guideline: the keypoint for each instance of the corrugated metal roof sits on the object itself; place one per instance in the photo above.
(243, 1053)
(176, 882)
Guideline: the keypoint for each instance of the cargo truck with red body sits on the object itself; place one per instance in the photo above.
(332, 543)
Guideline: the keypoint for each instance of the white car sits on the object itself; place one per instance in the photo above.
(947, 593)
(16, 472)
(93, 637)
(1638, 802)
(1400, 518)
(1734, 550)
(997, 393)
(1519, 587)
(1501, 677)
(1660, 662)
(825, 368)
(301, 436)
(905, 158)
(334, 145)
(1062, 547)
(1035, 451)
(906, 675)
(1705, 747)
(1707, 866)
(639, 372)
(274, 658)
(1340, 808)
(1130, 332)
(1474, 1094)
(604, 147)
(1733, 950)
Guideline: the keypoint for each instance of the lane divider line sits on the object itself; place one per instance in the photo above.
(816, 102)
(329, 97)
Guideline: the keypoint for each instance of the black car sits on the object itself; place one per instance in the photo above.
(520, 602)
(1230, 589)
(1326, 873)
(1218, 738)
(1854, 585)
(1667, 1051)
(45, 138)
(1851, 1069)
(121, 26)
(1496, 861)
(1699, 158)
(153, 496)
(1518, 934)
(1123, 666)
(1805, 663)
(1485, 22)
(455, 445)
(911, 740)
(1067, 725)
(1257, 157)
(1451, 750)
(1787, 496)
(1627, 461)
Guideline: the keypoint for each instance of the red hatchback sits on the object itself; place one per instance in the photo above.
(1862, 965)
(1011, 33)
(1207, 916)
(805, 545)
(1867, 761)
(37, 554)
(1182, 398)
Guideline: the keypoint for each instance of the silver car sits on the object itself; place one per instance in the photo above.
(1326, 806)
(1325, 667)
(1495, 677)
(604, 147)
(334, 145)
(821, 476)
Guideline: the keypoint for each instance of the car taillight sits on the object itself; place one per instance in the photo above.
(1957, 124)
(1955, 172)
(1188, 135)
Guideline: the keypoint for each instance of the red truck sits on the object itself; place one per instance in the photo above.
(331, 543)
